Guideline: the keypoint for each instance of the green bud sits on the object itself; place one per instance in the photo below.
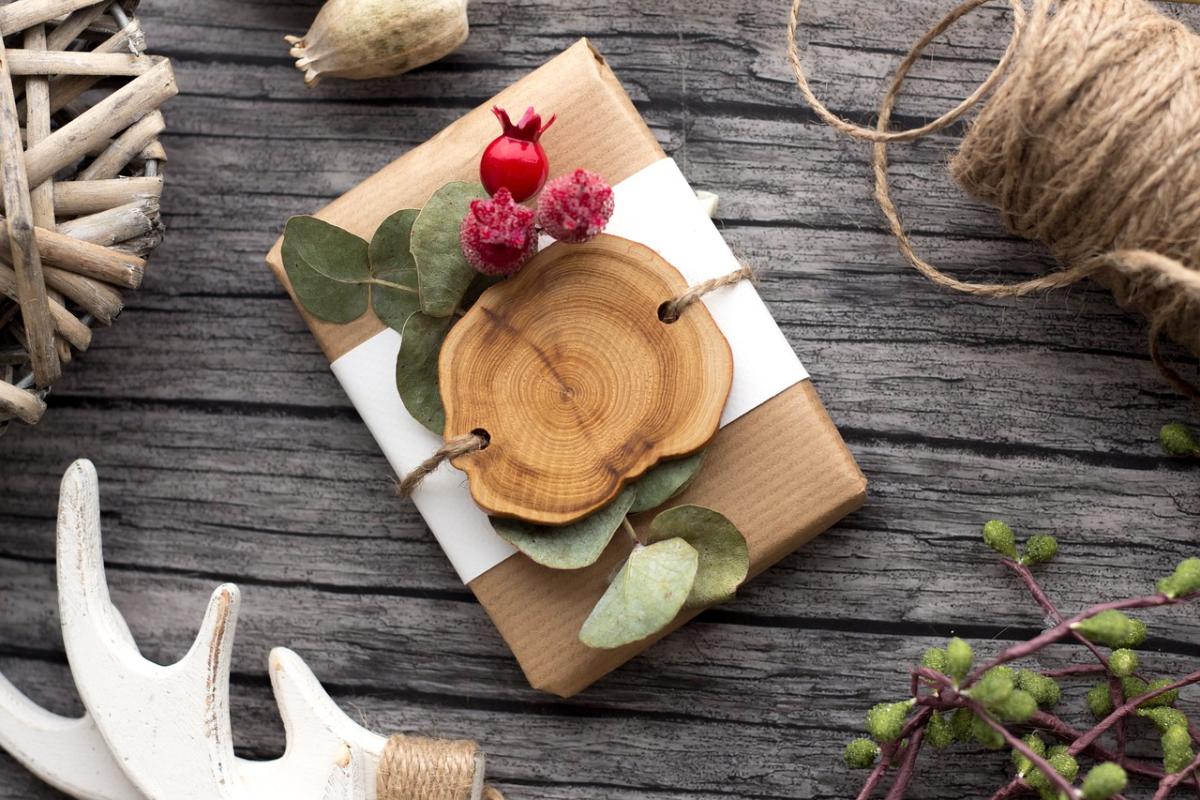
(860, 754)
(886, 720)
(1065, 764)
(1018, 707)
(993, 687)
(1164, 699)
(1023, 764)
(1104, 781)
(962, 722)
(1039, 548)
(1164, 717)
(1000, 538)
(1123, 662)
(1057, 749)
(985, 734)
(1111, 628)
(958, 659)
(1099, 701)
(1177, 440)
(1185, 579)
(934, 658)
(1045, 690)
(1132, 686)
(1177, 749)
(1138, 635)
(938, 732)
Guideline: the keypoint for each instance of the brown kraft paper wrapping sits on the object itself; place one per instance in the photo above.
(813, 480)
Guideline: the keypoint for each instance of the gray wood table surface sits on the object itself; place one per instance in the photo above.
(227, 451)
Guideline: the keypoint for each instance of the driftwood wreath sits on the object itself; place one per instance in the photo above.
(80, 174)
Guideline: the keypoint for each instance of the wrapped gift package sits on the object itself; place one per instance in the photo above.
(777, 468)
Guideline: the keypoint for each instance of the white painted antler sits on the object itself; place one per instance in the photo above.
(169, 726)
(69, 754)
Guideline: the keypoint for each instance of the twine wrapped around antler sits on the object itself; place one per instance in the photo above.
(417, 768)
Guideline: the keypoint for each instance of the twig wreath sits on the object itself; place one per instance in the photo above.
(573, 386)
(993, 704)
(81, 179)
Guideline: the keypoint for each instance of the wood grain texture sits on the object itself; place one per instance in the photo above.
(228, 451)
(579, 385)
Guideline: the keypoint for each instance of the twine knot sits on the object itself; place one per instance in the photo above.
(417, 768)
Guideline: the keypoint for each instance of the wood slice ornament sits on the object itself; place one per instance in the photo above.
(577, 384)
(80, 176)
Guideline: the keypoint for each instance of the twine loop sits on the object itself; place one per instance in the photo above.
(670, 310)
(1088, 142)
(417, 768)
(458, 446)
(478, 440)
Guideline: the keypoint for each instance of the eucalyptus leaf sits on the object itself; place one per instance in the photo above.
(645, 597)
(328, 269)
(571, 546)
(442, 270)
(666, 480)
(417, 369)
(394, 294)
(724, 557)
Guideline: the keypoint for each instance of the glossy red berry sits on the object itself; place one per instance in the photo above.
(515, 160)
(497, 235)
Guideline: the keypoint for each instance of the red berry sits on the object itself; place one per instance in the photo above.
(576, 207)
(497, 235)
(515, 160)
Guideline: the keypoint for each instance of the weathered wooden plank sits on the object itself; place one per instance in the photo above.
(226, 449)
(277, 504)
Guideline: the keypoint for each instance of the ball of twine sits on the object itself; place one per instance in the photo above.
(1087, 140)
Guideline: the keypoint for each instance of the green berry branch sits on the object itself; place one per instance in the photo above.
(1002, 705)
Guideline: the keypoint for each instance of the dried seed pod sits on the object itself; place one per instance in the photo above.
(362, 39)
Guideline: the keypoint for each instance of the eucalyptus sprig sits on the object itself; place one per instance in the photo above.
(691, 557)
(1000, 705)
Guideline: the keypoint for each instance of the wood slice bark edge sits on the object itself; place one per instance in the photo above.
(579, 385)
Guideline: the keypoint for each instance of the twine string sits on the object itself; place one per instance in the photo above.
(453, 448)
(418, 768)
(670, 310)
(1089, 142)
(476, 441)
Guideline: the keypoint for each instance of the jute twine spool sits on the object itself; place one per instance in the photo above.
(1087, 141)
(417, 768)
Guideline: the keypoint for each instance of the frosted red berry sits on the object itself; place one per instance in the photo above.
(576, 207)
(515, 160)
(497, 235)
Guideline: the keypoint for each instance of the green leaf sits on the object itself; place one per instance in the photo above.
(328, 269)
(442, 270)
(417, 369)
(645, 597)
(394, 295)
(571, 546)
(664, 481)
(724, 557)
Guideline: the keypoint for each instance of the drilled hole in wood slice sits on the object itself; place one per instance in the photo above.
(578, 383)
